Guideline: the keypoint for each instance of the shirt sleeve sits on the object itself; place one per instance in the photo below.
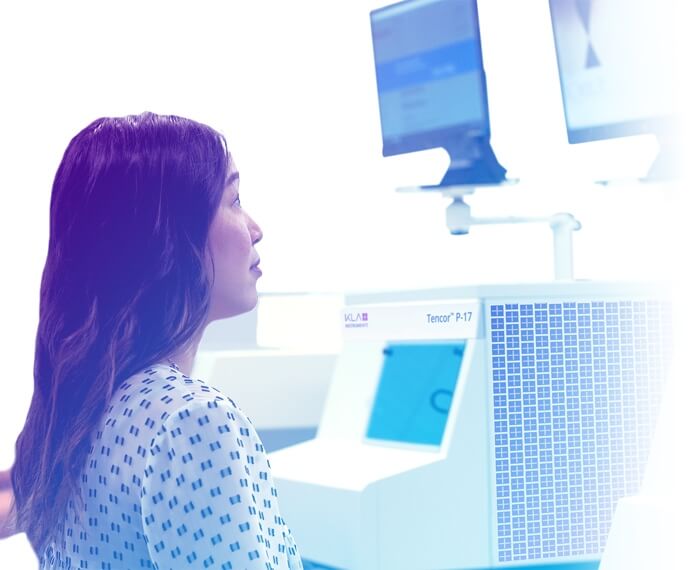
(208, 500)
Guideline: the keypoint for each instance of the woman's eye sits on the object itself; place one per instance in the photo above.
(237, 202)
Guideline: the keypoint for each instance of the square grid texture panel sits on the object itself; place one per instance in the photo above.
(576, 388)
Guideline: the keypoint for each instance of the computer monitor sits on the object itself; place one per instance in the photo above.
(431, 85)
(616, 65)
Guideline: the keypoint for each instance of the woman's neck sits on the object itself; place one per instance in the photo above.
(185, 358)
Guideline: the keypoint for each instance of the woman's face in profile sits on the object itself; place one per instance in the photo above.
(231, 240)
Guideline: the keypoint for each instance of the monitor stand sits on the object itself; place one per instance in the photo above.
(666, 168)
(472, 162)
(667, 165)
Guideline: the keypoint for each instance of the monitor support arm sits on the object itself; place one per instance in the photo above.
(459, 221)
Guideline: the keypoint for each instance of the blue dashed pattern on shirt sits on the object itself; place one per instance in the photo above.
(176, 477)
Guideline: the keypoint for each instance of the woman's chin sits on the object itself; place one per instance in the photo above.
(236, 309)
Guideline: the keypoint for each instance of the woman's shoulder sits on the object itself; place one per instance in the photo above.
(157, 395)
(168, 385)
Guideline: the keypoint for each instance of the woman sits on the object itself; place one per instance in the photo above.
(125, 461)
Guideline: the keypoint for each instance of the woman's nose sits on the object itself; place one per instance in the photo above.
(255, 231)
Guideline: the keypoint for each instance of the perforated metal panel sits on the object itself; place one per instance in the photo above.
(575, 390)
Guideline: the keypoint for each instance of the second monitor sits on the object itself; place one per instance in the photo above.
(616, 63)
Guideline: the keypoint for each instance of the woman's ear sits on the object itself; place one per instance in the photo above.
(8, 519)
(5, 480)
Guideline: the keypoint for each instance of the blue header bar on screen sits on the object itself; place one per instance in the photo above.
(433, 65)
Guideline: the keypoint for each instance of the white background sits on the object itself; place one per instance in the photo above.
(292, 86)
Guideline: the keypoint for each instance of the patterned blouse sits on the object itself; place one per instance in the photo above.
(176, 477)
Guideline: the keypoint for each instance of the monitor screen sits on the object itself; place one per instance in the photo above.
(616, 66)
(415, 390)
(429, 71)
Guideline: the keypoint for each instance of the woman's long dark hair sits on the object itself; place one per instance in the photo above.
(125, 284)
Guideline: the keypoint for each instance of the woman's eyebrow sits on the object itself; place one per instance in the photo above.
(232, 177)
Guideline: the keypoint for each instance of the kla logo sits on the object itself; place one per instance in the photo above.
(356, 317)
